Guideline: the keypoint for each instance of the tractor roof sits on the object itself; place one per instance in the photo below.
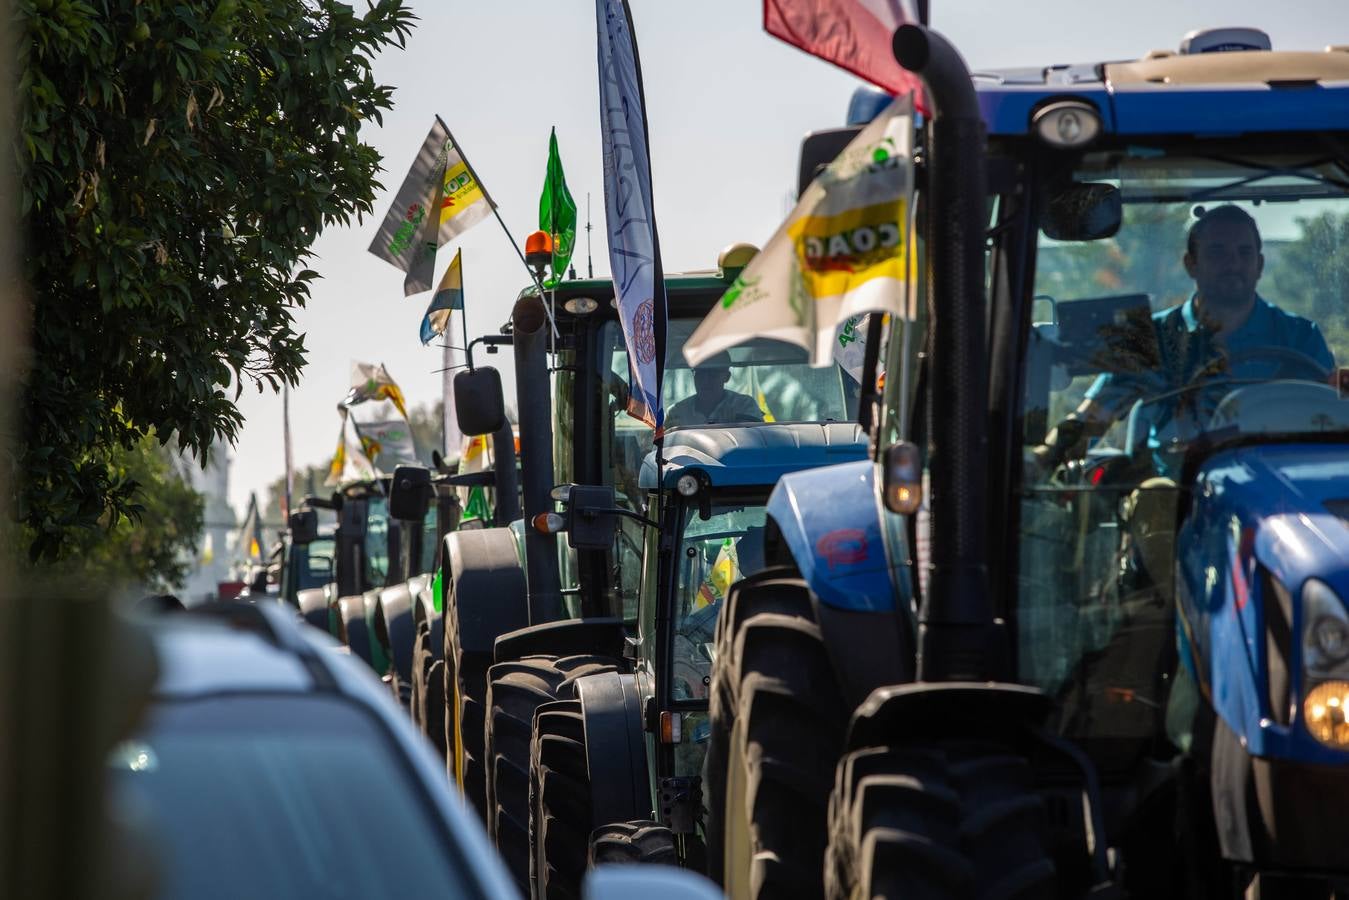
(754, 455)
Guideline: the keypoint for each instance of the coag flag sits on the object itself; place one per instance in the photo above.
(438, 200)
(557, 213)
(448, 297)
(477, 457)
(376, 435)
(634, 250)
(724, 573)
(843, 251)
(852, 34)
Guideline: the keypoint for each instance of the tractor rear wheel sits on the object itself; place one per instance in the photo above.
(559, 794)
(770, 591)
(516, 690)
(463, 690)
(778, 753)
(642, 841)
(949, 820)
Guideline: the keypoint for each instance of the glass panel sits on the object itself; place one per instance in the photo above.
(1212, 311)
(430, 530)
(376, 541)
(713, 554)
(241, 795)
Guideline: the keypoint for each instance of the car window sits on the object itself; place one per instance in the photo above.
(284, 797)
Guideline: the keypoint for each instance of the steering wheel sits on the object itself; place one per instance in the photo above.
(1291, 361)
(1292, 364)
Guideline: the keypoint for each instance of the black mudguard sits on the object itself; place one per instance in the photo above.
(313, 603)
(354, 633)
(602, 636)
(486, 584)
(611, 707)
(399, 630)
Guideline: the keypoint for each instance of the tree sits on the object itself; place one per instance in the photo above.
(1310, 275)
(152, 543)
(181, 157)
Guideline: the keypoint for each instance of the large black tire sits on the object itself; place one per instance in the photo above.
(516, 689)
(777, 723)
(950, 820)
(426, 690)
(641, 841)
(463, 695)
(560, 809)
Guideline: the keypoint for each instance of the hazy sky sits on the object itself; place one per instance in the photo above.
(727, 106)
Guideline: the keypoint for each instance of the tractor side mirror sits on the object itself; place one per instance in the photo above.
(819, 149)
(304, 526)
(902, 478)
(1082, 212)
(478, 402)
(410, 493)
(591, 521)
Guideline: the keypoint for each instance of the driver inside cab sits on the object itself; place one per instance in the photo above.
(1225, 330)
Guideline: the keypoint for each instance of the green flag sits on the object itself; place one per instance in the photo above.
(557, 213)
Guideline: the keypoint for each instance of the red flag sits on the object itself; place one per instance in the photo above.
(852, 34)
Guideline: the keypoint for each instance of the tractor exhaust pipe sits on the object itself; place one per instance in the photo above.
(957, 638)
(530, 322)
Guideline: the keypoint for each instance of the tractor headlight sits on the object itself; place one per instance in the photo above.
(1325, 629)
(1325, 649)
(1324, 712)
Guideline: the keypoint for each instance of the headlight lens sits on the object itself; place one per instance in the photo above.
(1325, 629)
(1324, 712)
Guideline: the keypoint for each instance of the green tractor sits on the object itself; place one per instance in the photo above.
(615, 772)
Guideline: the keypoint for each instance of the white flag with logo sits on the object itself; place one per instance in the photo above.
(842, 252)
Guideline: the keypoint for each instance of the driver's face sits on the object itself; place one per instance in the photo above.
(1226, 264)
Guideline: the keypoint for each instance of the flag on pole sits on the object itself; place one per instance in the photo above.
(634, 250)
(376, 436)
(841, 252)
(248, 540)
(852, 34)
(438, 200)
(557, 213)
(448, 297)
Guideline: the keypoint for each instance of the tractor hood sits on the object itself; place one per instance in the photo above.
(1261, 521)
(751, 455)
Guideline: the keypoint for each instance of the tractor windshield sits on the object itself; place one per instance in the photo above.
(1215, 310)
(714, 553)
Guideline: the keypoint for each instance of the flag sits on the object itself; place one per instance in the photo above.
(477, 457)
(852, 34)
(376, 436)
(448, 297)
(248, 540)
(557, 213)
(842, 251)
(438, 200)
(724, 573)
(634, 250)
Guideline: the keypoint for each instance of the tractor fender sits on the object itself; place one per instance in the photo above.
(603, 636)
(374, 630)
(611, 708)
(313, 603)
(485, 582)
(830, 521)
(395, 621)
(351, 627)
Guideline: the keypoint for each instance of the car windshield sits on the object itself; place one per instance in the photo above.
(1216, 310)
(283, 797)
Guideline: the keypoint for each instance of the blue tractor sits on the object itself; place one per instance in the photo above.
(1080, 624)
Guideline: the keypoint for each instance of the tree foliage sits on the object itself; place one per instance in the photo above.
(181, 158)
(152, 543)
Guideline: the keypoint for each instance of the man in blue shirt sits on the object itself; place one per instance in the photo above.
(1225, 331)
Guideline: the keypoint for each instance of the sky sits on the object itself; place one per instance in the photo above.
(727, 106)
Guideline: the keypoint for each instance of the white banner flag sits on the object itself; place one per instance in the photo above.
(842, 252)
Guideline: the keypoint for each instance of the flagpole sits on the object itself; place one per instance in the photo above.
(510, 237)
(285, 430)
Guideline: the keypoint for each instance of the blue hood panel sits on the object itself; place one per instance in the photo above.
(834, 528)
(1252, 509)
